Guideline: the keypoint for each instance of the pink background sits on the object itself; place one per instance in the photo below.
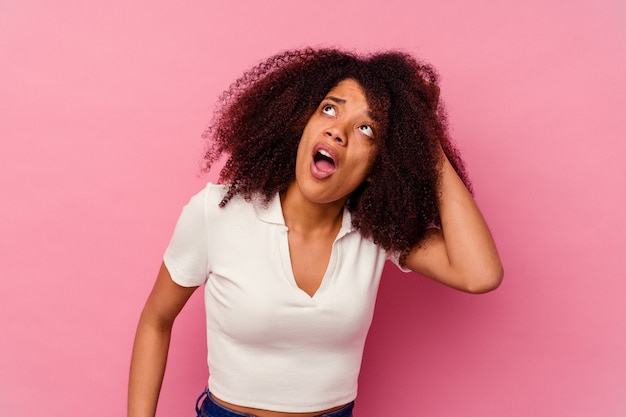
(101, 109)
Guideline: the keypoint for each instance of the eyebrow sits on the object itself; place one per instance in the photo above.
(343, 101)
(336, 99)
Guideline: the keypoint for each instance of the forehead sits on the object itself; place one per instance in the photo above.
(350, 93)
(350, 88)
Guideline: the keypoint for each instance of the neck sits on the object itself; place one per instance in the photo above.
(306, 217)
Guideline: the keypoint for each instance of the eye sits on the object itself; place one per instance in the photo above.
(367, 130)
(329, 110)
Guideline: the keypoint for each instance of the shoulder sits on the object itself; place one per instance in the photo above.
(211, 192)
(206, 205)
(208, 197)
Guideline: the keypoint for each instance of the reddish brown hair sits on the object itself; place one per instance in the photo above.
(262, 115)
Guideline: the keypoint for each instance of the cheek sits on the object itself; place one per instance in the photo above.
(364, 170)
(371, 156)
(370, 166)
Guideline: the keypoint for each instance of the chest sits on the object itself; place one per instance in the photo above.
(257, 289)
(309, 258)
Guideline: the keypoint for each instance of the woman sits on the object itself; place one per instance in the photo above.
(336, 163)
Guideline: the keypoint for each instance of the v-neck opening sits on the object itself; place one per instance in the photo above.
(327, 277)
(273, 213)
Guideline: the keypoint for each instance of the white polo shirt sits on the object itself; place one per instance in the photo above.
(270, 344)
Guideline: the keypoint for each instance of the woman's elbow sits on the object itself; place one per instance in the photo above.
(486, 281)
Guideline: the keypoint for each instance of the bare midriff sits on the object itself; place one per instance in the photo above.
(267, 413)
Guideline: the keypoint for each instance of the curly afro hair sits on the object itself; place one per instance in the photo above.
(261, 117)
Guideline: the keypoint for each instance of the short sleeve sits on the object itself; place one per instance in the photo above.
(394, 257)
(186, 256)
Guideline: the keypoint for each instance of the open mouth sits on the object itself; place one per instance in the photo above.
(324, 164)
(323, 161)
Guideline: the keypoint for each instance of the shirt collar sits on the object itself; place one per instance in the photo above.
(273, 213)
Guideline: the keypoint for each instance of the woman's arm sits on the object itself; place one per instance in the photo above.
(462, 254)
(152, 343)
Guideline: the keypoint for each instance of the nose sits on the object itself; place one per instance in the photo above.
(337, 134)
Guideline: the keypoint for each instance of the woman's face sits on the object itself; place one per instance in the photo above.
(338, 145)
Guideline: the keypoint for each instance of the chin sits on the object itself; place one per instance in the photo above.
(320, 193)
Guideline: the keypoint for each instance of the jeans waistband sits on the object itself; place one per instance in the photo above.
(210, 408)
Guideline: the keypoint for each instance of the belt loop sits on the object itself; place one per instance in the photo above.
(205, 393)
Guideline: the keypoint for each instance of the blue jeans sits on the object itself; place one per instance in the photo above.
(210, 408)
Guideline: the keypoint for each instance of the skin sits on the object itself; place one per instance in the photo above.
(313, 207)
(461, 255)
